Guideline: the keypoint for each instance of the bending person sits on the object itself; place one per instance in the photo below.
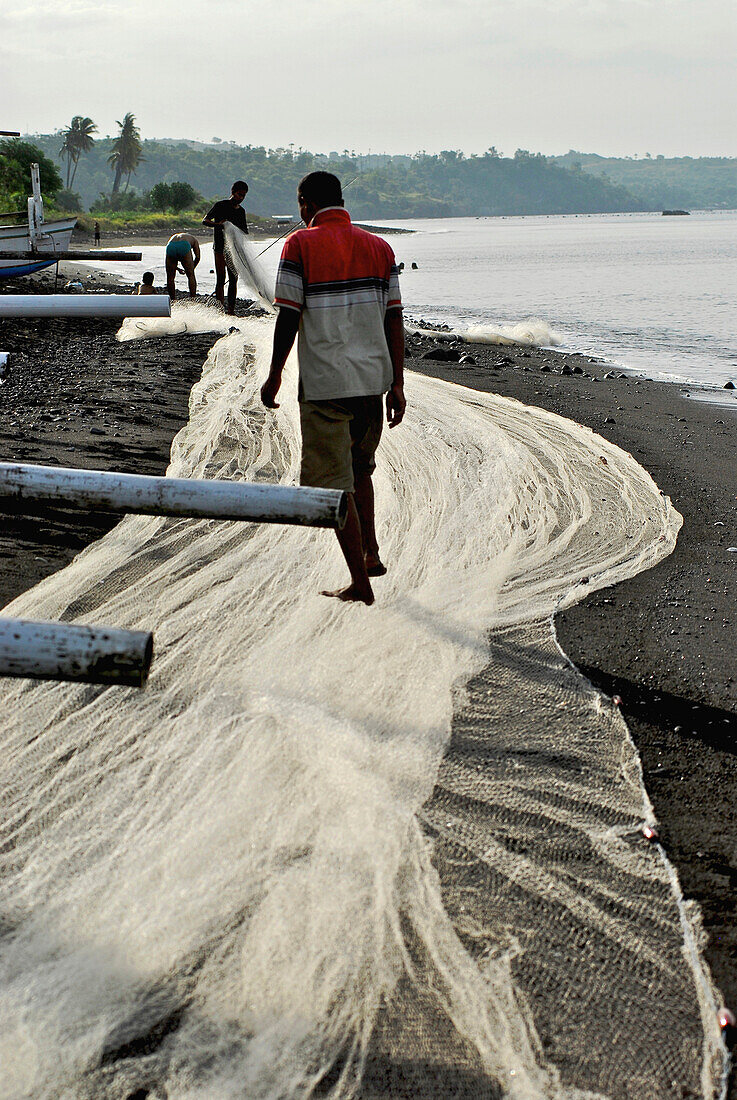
(227, 210)
(182, 249)
(338, 287)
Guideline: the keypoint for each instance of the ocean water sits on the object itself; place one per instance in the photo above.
(654, 294)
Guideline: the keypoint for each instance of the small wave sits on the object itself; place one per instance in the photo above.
(533, 333)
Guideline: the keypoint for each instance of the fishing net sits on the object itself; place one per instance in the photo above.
(285, 868)
(253, 273)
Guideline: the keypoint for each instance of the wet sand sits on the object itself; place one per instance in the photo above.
(664, 641)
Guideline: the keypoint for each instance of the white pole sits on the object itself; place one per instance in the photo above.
(84, 305)
(29, 488)
(70, 651)
(37, 200)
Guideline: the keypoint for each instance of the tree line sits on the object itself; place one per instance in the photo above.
(422, 185)
(129, 173)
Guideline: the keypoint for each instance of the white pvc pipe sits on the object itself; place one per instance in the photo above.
(30, 486)
(85, 305)
(69, 651)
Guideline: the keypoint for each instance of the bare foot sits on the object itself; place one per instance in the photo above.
(375, 567)
(352, 594)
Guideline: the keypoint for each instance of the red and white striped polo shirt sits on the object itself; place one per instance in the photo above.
(342, 280)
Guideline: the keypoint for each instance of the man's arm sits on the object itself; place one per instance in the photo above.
(285, 331)
(395, 400)
(196, 250)
(208, 219)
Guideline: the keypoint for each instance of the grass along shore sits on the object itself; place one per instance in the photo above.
(156, 227)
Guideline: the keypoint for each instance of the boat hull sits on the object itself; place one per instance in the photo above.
(57, 235)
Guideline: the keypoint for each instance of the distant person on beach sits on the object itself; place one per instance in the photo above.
(146, 286)
(97, 233)
(338, 286)
(227, 210)
(182, 249)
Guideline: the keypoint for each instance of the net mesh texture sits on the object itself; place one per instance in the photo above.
(340, 851)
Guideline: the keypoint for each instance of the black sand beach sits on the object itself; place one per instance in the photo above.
(664, 641)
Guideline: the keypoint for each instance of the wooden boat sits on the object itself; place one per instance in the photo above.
(45, 239)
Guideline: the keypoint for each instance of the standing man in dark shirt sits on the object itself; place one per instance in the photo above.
(227, 210)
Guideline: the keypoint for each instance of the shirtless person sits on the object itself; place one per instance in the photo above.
(179, 250)
(227, 210)
(146, 286)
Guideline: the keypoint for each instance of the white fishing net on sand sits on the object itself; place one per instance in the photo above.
(284, 869)
(187, 316)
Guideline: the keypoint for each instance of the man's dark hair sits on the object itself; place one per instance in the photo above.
(148, 278)
(321, 188)
(239, 185)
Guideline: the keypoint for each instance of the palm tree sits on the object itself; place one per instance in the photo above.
(127, 151)
(78, 139)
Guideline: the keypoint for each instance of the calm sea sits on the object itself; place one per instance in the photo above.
(654, 294)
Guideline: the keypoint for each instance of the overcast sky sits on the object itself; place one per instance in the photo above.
(618, 77)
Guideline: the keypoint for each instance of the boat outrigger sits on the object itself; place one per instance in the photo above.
(36, 241)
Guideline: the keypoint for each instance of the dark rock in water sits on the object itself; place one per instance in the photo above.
(468, 360)
(545, 368)
(672, 213)
(729, 385)
(445, 355)
(609, 420)
(577, 370)
(565, 369)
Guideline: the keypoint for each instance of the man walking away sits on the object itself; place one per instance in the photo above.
(227, 210)
(179, 250)
(338, 287)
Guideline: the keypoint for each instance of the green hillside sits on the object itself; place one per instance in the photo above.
(421, 186)
(699, 183)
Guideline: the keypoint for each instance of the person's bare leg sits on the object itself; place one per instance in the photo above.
(351, 543)
(232, 291)
(365, 506)
(188, 266)
(171, 271)
(220, 278)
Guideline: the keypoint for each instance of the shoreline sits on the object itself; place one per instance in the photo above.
(663, 640)
(133, 236)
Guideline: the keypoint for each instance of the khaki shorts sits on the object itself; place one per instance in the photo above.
(339, 440)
